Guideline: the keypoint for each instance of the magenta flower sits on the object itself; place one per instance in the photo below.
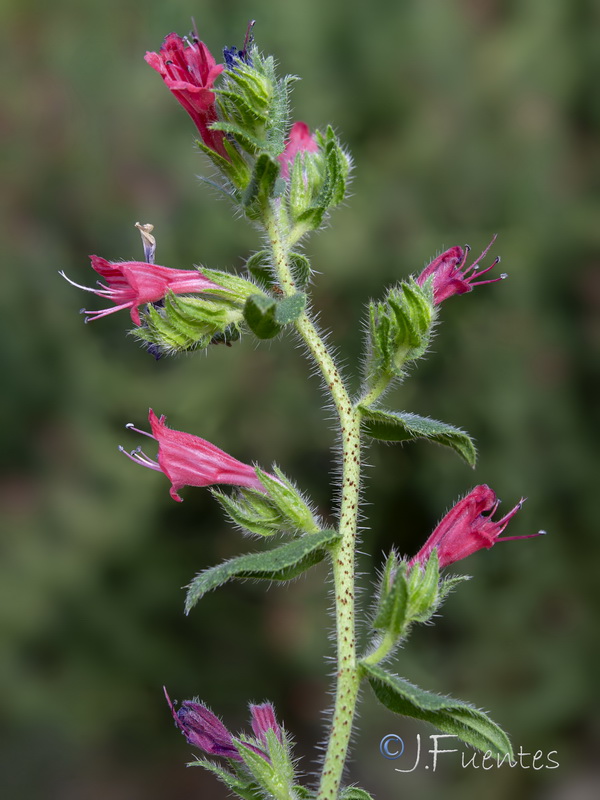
(204, 730)
(300, 141)
(189, 71)
(450, 275)
(130, 284)
(465, 529)
(188, 460)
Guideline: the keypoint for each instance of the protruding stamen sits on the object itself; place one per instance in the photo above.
(131, 427)
(85, 288)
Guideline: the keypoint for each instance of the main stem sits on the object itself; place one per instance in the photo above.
(343, 558)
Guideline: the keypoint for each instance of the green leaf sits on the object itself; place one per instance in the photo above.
(354, 793)
(290, 308)
(259, 313)
(400, 426)
(448, 715)
(279, 564)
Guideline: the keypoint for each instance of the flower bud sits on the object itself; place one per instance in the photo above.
(399, 331)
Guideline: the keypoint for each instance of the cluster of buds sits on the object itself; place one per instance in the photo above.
(263, 759)
(243, 126)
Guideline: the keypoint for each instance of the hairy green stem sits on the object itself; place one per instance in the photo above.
(343, 553)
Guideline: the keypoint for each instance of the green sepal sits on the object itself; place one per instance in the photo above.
(399, 331)
(317, 182)
(279, 564)
(354, 793)
(448, 585)
(186, 323)
(393, 605)
(259, 313)
(423, 591)
(234, 168)
(254, 105)
(233, 287)
(401, 426)
(274, 775)
(252, 511)
(244, 788)
(261, 187)
(259, 265)
(288, 501)
(450, 716)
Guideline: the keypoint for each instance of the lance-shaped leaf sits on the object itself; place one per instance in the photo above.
(279, 564)
(401, 426)
(448, 715)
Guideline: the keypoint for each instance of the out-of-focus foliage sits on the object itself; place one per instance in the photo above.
(465, 118)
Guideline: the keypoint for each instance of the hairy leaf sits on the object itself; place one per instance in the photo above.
(279, 564)
(400, 426)
(451, 716)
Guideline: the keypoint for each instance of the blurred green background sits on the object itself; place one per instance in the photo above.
(465, 118)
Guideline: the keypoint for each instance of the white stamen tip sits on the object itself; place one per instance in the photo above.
(129, 425)
(542, 533)
(504, 276)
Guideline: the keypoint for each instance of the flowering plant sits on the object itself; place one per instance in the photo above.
(286, 180)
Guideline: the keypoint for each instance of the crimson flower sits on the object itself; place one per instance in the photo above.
(189, 71)
(134, 283)
(204, 730)
(450, 276)
(300, 140)
(468, 527)
(188, 460)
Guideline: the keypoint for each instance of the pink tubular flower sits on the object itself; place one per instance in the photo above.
(204, 730)
(188, 460)
(189, 71)
(130, 284)
(465, 529)
(300, 141)
(450, 275)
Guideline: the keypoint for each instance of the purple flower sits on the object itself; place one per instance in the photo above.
(204, 730)
(468, 527)
(451, 276)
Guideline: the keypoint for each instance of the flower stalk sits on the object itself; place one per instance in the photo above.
(343, 553)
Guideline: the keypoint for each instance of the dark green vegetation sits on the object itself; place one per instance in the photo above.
(465, 119)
